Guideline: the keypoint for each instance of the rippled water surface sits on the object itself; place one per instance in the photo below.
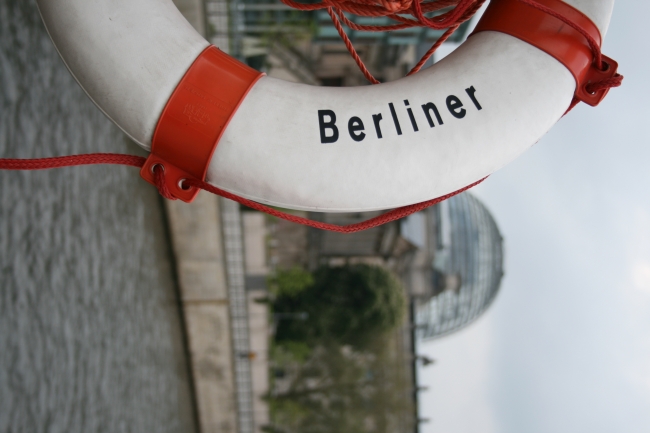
(90, 329)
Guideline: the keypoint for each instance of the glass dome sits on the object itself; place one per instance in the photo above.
(466, 252)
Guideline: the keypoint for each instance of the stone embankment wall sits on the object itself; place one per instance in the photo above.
(200, 263)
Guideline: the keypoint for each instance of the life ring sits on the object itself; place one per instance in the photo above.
(315, 148)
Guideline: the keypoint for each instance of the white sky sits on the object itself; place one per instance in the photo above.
(566, 345)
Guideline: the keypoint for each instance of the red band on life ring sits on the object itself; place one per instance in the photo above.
(554, 37)
(195, 118)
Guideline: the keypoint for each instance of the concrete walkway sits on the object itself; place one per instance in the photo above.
(198, 249)
(198, 244)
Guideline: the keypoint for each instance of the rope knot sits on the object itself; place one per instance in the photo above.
(609, 83)
(161, 184)
(395, 6)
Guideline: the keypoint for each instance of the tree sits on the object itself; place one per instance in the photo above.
(346, 391)
(343, 368)
(347, 305)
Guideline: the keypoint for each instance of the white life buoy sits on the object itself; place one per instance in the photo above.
(306, 147)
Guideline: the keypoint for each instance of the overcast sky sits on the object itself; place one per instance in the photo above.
(566, 345)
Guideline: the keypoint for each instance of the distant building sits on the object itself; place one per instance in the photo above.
(456, 272)
(450, 258)
(377, 245)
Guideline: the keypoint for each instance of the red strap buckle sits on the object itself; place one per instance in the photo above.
(594, 75)
(195, 118)
(553, 36)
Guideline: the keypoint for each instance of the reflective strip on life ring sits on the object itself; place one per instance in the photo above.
(317, 148)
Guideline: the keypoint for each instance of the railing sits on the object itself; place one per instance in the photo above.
(219, 16)
(224, 31)
(235, 271)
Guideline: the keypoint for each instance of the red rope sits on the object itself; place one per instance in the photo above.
(432, 50)
(159, 177)
(462, 11)
(454, 17)
(387, 217)
(159, 172)
(615, 81)
(350, 47)
(71, 161)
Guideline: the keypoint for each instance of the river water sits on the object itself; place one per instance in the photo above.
(90, 327)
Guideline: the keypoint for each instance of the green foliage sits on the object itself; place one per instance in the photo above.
(287, 412)
(347, 304)
(291, 27)
(290, 352)
(345, 391)
(342, 370)
(289, 283)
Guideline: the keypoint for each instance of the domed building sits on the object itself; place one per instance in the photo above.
(455, 273)
(449, 258)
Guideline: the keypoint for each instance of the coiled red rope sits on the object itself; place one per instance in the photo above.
(460, 12)
(159, 172)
